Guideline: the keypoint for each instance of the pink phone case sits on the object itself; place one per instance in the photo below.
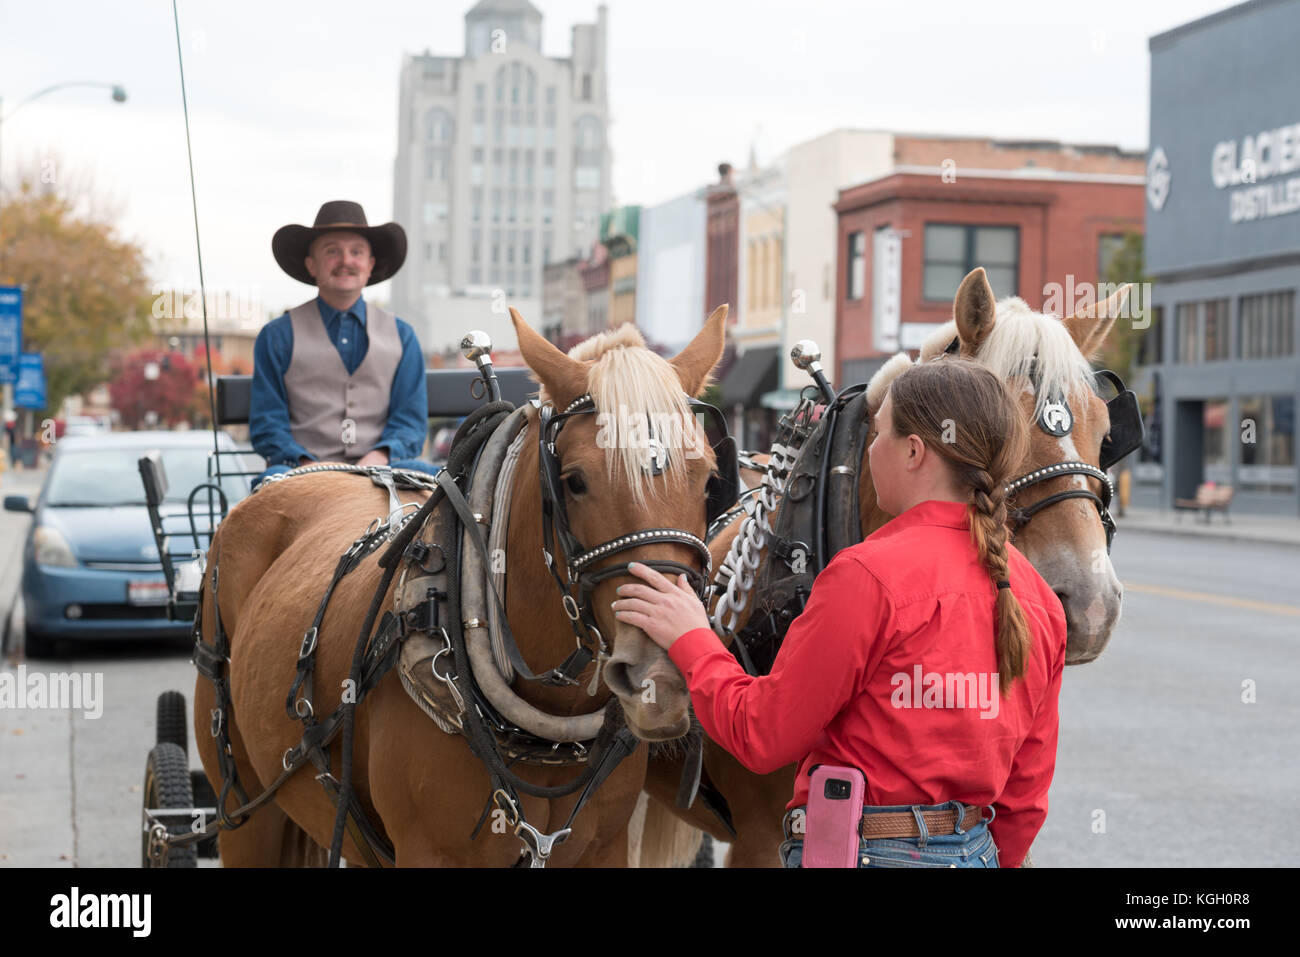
(835, 796)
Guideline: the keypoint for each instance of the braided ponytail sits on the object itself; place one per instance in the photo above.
(964, 412)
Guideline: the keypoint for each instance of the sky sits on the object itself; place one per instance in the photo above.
(293, 103)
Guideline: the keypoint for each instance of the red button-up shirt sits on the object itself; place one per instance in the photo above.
(892, 668)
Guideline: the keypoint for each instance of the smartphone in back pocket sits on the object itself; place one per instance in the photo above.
(835, 796)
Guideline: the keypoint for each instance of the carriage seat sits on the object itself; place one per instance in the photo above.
(449, 393)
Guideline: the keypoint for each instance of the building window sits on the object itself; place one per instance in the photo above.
(1185, 339)
(586, 177)
(480, 93)
(586, 86)
(952, 251)
(1267, 430)
(1151, 345)
(550, 96)
(1108, 244)
(442, 252)
(1266, 325)
(857, 274)
(428, 252)
(1216, 330)
(438, 126)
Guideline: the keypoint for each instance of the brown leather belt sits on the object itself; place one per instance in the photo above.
(903, 823)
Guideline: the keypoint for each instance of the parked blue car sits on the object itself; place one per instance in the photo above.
(90, 566)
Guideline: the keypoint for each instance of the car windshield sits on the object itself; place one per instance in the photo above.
(106, 476)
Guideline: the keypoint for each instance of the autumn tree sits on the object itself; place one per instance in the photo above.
(1122, 345)
(85, 289)
(157, 382)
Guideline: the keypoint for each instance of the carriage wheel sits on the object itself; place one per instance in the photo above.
(167, 786)
(173, 723)
(204, 796)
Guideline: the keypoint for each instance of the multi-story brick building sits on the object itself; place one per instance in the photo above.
(1041, 218)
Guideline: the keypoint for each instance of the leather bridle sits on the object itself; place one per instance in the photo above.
(1124, 436)
(578, 559)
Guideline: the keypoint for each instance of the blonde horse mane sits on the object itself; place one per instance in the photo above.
(628, 382)
(1019, 337)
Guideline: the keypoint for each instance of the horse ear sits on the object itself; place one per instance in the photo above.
(1089, 327)
(696, 361)
(974, 309)
(564, 379)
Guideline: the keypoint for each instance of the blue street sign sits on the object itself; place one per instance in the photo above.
(11, 331)
(29, 390)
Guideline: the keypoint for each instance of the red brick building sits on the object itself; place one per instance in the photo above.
(907, 238)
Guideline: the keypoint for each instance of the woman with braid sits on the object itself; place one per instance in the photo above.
(929, 656)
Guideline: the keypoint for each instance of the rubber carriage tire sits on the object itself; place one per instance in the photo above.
(204, 796)
(173, 721)
(167, 785)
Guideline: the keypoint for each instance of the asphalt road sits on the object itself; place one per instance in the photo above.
(1160, 760)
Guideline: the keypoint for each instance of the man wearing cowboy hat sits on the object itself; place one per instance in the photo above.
(336, 379)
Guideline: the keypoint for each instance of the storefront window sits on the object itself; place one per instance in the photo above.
(1267, 442)
(1215, 438)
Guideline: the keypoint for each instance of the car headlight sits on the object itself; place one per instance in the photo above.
(52, 548)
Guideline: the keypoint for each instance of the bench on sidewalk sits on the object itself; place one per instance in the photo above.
(1209, 497)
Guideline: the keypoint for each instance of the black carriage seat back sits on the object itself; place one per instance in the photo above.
(449, 393)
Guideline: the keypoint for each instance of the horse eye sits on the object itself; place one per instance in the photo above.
(575, 483)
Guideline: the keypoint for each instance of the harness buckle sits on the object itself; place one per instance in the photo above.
(308, 643)
(538, 846)
(216, 722)
(571, 608)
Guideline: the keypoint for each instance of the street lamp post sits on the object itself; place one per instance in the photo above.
(118, 95)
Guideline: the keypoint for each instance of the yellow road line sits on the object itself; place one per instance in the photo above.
(1211, 599)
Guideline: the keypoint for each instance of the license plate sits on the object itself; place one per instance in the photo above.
(147, 593)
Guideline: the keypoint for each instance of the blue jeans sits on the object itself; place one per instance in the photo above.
(413, 464)
(972, 848)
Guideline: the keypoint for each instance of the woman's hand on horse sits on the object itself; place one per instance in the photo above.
(664, 609)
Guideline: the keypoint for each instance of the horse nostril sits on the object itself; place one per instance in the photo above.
(617, 678)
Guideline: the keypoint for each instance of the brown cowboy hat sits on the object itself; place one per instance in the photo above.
(290, 244)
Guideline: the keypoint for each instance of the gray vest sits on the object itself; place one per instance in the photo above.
(335, 416)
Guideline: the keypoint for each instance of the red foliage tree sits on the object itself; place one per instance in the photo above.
(154, 381)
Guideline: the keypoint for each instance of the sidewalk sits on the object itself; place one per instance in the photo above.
(1275, 529)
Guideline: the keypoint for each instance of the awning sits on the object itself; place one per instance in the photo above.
(753, 373)
(781, 399)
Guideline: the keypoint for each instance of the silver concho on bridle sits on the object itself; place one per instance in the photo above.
(1056, 419)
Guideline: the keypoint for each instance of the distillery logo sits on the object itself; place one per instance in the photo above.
(75, 909)
(935, 689)
(1158, 179)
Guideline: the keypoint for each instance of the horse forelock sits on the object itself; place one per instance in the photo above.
(1021, 336)
(631, 386)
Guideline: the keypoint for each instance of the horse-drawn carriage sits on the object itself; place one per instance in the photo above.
(408, 573)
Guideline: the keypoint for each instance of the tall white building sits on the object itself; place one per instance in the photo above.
(503, 164)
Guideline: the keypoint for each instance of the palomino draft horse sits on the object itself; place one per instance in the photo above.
(421, 787)
(1045, 359)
